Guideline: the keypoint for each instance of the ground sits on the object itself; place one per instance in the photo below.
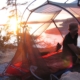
(5, 57)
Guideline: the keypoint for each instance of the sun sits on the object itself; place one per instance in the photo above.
(13, 24)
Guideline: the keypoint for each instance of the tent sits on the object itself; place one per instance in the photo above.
(46, 24)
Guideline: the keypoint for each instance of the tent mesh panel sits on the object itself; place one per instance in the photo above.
(34, 56)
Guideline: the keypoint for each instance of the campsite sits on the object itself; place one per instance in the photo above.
(40, 32)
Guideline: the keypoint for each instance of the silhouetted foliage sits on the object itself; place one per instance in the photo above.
(13, 13)
(4, 41)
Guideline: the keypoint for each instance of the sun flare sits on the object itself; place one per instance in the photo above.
(13, 24)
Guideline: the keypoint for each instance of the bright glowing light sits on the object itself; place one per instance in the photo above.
(3, 33)
(59, 1)
(72, 1)
(63, 1)
(13, 24)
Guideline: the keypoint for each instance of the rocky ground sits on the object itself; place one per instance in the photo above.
(5, 57)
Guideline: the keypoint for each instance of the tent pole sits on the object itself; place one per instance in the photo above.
(57, 27)
(66, 11)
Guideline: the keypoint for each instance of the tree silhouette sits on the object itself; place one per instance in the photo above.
(11, 5)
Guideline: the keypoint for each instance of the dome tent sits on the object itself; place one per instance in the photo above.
(53, 13)
(48, 24)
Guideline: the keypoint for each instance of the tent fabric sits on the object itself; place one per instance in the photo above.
(47, 25)
(55, 62)
(25, 57)
(19, 64)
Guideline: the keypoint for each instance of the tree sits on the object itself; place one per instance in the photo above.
(11, 6)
